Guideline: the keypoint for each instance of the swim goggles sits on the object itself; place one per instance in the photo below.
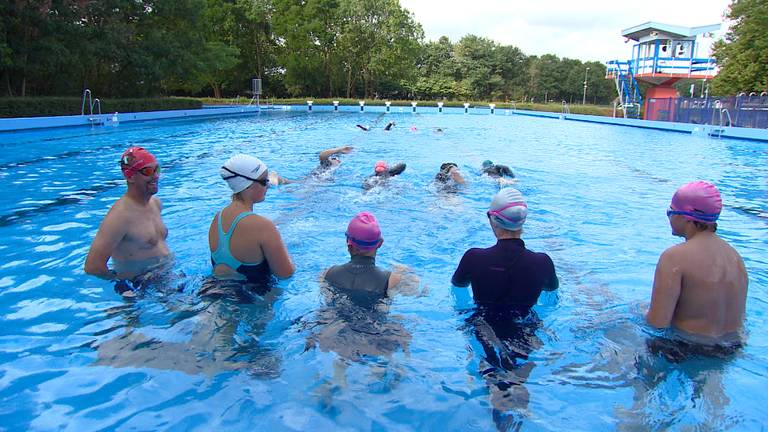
(363, 243)
(498, 212)
(701, 216)
(263, 182)
(149, 171)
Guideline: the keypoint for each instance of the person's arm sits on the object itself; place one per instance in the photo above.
(456, 176)
(110, 233)
(402, 280)
(552, 283)
(667, 283)
(505, 171)
(461, 277)
(274, 250)
(325, 154)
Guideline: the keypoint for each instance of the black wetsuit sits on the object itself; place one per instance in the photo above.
(360, 280)
(497, 171)
(506, 274)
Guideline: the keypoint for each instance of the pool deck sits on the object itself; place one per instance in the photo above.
(16, 124)
(113, 119)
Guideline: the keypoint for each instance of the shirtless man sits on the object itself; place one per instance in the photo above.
(700, 286)
(132, 233)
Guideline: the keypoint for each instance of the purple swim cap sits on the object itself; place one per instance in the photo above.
(700, 201)
(363, 232)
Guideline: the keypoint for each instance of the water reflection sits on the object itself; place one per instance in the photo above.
(220, 331)
(506, 339)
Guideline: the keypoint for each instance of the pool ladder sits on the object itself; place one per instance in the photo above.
(723, 115)
(91, 104)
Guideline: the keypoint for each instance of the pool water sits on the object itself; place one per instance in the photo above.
(75, 356)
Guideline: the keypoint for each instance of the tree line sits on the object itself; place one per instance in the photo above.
(319, 48)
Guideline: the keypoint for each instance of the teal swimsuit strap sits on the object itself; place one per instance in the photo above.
(222, 254)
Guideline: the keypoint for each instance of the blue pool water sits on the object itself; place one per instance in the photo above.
(75, 356)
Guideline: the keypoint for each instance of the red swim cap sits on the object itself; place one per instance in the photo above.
(134, 159)
(380, 166)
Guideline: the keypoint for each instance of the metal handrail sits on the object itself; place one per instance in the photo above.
(96, 103)
(87, 93)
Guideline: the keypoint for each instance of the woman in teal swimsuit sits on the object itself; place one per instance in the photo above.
(244, 245)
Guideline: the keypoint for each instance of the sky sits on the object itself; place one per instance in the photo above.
(577, 29)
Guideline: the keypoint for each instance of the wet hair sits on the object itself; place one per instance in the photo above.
(447, 166)
(701, 226)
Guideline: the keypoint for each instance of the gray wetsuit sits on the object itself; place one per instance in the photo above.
(360, 280)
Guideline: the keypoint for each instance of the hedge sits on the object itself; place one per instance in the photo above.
(56, 106)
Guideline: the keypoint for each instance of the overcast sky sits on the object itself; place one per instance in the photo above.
(578, 29)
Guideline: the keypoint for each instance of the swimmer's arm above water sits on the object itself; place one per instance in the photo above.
(667, 283)
(325, 154)
(274, 249)
(111, 231)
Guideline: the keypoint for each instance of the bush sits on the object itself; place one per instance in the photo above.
(56, 106)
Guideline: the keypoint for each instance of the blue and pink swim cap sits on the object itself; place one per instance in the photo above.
(698, 201)
(363, 232)
(508, 209)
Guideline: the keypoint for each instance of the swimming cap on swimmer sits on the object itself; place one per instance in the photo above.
(380, 166)
(134, 159)
(487, 163)
(508, 209)
(241, 170)
(363, 232)
(699, 200)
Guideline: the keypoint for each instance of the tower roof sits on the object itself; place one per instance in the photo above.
(645, 29)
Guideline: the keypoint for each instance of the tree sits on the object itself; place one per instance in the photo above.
(743, 55)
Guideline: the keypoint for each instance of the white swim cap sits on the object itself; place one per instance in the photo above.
(241, 170)
(508, 209)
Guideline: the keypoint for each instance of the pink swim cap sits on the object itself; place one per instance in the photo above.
(698, 201)
(363, 232)
(134, 159)
(380, 166)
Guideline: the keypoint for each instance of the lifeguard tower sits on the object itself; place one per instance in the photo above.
(662, 55)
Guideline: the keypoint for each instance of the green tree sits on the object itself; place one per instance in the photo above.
(743, 55)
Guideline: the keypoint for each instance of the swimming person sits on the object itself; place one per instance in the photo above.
(132, 233)
(506, 280)
(356, 321)
(360, 276)
(362, 127)
(382, 172)
(700, 285)
(502, 173)
(449, 177)
(244, 245)
(389, 125)
(328, 158)
(506, 274)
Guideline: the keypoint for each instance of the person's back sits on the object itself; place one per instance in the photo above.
(700, 286)
(714, 287)
(360, 279)
(506, 275)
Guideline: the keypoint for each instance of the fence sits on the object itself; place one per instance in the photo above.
(740, 111)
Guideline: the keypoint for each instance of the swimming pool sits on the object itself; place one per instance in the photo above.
(75, 356)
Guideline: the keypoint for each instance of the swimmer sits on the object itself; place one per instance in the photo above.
(389, 125)
(362, 127)
(506, 275)
(449, 177)
(496, 170)
(132, 233)
(244, 245)
(382, 172)
(328, 157)
(700, 286)
(360, 278)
